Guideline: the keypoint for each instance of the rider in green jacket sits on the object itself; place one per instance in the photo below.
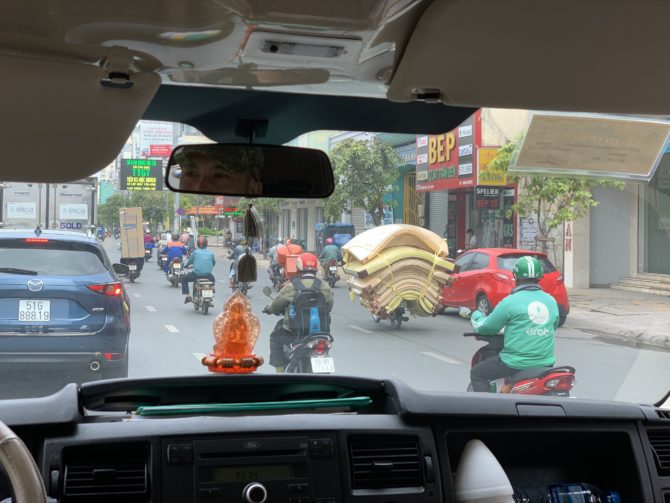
(529, 317)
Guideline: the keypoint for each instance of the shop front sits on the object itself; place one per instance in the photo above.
(655, 224)
(461, 191)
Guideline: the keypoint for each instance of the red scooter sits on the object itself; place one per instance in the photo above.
(551, 381)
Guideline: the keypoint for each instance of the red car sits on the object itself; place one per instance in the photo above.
(484, 277)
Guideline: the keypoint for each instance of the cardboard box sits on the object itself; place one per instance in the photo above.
(132, 233)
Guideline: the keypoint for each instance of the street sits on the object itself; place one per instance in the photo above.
(169, 338)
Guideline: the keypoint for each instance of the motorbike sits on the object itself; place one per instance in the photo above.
(161, 260)
(331, 273)
(175, 272)
(242, 286)
(396, 317)
(550, 381)
(203, 295)
(276, 276)
(308, 355)
(148, 251)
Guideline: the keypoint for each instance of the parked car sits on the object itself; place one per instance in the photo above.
(63, 309)
(484, 277)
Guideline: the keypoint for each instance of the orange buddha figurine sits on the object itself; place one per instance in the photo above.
(236, 330)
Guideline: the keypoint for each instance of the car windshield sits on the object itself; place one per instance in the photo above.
(396, 306)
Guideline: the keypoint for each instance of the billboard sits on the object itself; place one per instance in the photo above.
(160, 150)
(446, 161)
(486, 175)
(141, 174)
(154, 133)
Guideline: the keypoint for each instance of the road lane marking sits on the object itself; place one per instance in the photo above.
(172, 328)
(443, 358)
(138, 295)
(361, 329)
(151, 309)
(223, 281)
(199, 356)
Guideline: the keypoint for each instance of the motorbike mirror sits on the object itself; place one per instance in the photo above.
(120, 269)
(267, 291)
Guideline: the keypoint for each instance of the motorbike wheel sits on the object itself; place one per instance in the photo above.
(132, 278)
(469, 387)
(299, 366)
(376, 318)
(205, 308)
(396, 321)
(244, 289)
(331, 282)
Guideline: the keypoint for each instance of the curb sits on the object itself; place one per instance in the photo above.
(638, 337)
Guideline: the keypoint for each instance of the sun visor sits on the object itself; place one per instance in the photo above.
(591, 145)
(60, 123)
(599, 56)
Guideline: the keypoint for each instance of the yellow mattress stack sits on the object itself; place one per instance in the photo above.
(395, 264)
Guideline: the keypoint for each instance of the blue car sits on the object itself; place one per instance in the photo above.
(63, 310)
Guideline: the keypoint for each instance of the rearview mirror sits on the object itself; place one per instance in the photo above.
(250, 171)
(267, 291)
(120, 269)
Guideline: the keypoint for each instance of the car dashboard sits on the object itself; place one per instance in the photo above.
(365, 441)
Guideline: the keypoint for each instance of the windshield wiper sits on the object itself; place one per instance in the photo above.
(14, 270)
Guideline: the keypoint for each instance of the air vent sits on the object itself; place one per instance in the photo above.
(106, 471)
(663, 414)
(660, 444)
(381, 462)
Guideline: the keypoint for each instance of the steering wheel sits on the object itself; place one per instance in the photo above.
(20, 467)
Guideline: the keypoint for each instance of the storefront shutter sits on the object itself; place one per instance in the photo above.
(437, 211)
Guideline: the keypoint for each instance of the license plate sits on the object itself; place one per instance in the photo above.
(207, 294)
(333, 268)
(132, 267)
(177, 266)
(323, 365)
(34, 310)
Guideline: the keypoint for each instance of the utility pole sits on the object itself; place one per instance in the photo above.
(177, 217)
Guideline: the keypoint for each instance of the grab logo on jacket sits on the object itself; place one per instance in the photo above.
(538, 313)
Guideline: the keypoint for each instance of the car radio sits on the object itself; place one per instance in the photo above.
(295, 469)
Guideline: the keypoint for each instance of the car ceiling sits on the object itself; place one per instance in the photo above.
(288, 66)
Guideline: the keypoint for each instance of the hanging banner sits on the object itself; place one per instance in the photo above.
(486, 175)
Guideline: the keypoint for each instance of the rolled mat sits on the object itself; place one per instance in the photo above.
(367, 245)
(386, 258)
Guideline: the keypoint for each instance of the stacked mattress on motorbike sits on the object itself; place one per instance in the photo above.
(396, 265)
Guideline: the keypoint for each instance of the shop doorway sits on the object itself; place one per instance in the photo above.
(413, 201)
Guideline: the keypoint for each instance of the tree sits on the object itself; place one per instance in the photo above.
(553, 200)
(364, 172)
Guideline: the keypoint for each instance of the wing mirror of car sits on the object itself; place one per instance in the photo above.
(457, 269)
(249, 170)
(120, 269)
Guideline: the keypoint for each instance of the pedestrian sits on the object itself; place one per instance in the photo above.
(470, 239)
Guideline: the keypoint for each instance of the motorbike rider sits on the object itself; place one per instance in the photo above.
(175, 249)
(149, 242)
(529, 317)
(330, 252)
(237, 252)
(203, 262)
(282, 335)
(272, 253)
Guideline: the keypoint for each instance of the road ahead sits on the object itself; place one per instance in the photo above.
(169, 338)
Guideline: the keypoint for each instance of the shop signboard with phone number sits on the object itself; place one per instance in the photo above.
(447, 161)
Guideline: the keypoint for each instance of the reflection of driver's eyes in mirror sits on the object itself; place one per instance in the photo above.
(204, 173)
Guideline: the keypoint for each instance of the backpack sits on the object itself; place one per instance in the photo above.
(308, 313)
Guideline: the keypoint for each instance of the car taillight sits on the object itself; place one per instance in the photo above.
(113, 356)
(111, 289)
(37, 240)
(559, 278)
(498, 276)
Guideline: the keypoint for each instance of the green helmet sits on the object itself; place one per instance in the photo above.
(527, 267)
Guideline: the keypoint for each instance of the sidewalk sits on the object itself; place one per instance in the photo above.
(635, 318)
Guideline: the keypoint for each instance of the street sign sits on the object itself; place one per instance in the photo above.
(180, 212)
